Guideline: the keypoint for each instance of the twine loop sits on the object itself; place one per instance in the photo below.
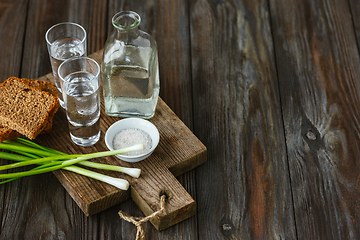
(138, 221)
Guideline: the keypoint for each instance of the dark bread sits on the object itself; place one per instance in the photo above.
(26, 108)
(47, 87)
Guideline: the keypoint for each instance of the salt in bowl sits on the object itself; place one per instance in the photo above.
(137, 123)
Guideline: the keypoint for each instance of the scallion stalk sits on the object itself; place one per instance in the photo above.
(133, 172)
(48, 159)
(116, 182)
(20, 148)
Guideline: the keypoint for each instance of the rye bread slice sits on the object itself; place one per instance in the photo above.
(47, 87)
(8, 134)
(24, 108)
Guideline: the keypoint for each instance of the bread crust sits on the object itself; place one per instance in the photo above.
(8, 134)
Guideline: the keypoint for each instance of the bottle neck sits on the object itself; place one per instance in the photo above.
(126, 21)
(126, 24)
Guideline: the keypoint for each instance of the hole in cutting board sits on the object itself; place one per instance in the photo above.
(167, 194)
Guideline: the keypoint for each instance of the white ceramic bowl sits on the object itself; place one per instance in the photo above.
(138, 123)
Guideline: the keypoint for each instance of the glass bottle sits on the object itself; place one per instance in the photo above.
(130, 69)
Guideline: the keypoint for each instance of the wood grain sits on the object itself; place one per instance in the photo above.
(12, 28)
(238, 117)
(269, 86)
(318, 78)
(355, 15)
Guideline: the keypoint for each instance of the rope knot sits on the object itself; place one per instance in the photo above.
(138, 221)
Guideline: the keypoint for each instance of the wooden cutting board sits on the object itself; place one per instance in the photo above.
(179, 150)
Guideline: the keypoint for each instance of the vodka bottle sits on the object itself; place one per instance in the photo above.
(130, 69)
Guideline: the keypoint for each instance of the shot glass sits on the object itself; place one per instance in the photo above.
(80, 78)
(64, 41)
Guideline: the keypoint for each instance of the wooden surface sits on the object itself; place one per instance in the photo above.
(271, 87)
(179, 151)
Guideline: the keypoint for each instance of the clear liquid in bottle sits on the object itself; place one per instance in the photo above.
(130, 71)
(129, 91)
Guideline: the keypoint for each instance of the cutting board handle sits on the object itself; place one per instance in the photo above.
(146, 192)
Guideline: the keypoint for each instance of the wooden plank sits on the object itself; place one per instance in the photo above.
(238, 117)
(318, 68)
(12, 19)
(355, 11)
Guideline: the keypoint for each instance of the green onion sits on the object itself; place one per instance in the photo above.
(133, 172)
(117, 182)
(30, 153)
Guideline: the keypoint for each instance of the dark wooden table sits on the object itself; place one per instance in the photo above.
(271, 87)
